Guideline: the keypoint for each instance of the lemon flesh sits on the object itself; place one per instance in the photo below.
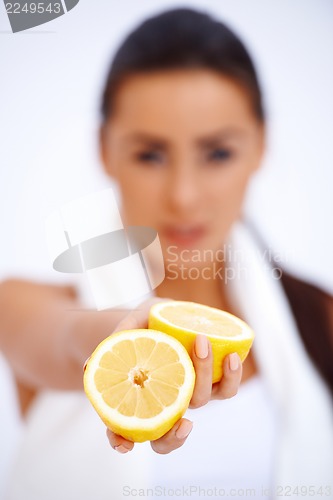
(140, 382)
(184, 320)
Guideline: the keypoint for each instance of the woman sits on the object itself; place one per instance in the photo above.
(182, 134)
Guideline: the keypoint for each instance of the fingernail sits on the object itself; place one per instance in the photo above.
(184, 429)
(85, 364)
(121, 449)
(201, 346)
(233, 362)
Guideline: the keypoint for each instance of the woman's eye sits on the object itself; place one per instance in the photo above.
(150, 157)
(219, 155)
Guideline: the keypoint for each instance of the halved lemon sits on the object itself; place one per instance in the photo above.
(184, 320)
(140, 382)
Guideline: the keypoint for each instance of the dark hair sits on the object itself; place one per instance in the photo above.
(182, 38)
(311, 307)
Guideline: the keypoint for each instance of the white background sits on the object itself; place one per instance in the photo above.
(50, 84)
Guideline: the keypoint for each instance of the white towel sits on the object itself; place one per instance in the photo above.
(305, 443)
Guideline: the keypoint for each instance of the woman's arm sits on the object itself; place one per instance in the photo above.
(46, 339)
(44, 334)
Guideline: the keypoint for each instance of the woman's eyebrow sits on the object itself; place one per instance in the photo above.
(147, 139)
(220, 136)
(202, 142)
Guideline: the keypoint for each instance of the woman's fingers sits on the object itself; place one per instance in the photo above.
(202, 358)
(173, 439)
(232, 375)
(119, 443)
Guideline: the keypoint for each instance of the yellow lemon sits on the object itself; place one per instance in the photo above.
(184, 320)
(140, 382)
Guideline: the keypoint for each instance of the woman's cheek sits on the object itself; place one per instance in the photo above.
(140, 203)
(228, 197)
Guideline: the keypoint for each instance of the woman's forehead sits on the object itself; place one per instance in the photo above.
(202, 100)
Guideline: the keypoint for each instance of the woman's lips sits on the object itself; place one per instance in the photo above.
(184, 236)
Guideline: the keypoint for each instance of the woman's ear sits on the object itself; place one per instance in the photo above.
(104, 152)
(261, 144)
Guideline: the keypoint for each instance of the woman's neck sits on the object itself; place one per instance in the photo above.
(209, 292)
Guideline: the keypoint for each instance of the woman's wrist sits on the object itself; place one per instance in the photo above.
(86, 329)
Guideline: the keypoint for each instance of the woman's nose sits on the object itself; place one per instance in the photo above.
(183, 189)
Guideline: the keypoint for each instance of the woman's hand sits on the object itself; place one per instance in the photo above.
(204, 391)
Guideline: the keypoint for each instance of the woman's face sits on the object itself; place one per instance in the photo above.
(182, 146)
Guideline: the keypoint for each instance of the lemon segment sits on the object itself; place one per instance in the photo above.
(184, 320)
(140, 382)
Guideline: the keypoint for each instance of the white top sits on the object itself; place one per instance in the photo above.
(65, 453)
(231, 447)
